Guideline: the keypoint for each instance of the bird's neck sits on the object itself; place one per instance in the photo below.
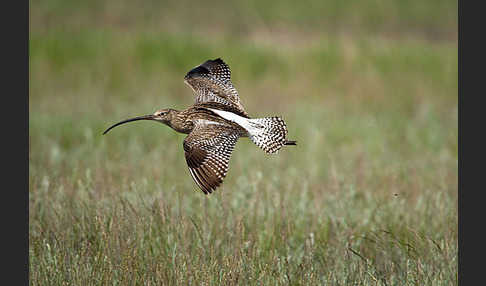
(178, 122)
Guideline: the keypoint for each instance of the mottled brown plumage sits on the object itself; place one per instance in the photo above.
(215, 123)
(211, 81)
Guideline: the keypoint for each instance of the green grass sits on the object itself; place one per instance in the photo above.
(368, 197)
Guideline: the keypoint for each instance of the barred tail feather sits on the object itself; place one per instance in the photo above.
(269, 133)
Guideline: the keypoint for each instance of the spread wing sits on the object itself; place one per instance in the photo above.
(211, 81)
(207, 150)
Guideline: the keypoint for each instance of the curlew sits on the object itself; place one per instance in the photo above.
(215, 123)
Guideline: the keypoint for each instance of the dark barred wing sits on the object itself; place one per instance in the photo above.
(208, 150)
(211, 81)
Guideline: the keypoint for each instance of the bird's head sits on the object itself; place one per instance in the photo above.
(162, 116)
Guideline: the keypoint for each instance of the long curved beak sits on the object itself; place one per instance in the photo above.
(145, 117)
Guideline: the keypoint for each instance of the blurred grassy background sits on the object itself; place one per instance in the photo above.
(367, 88)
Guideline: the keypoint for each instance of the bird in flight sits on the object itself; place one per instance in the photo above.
(214, 123)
